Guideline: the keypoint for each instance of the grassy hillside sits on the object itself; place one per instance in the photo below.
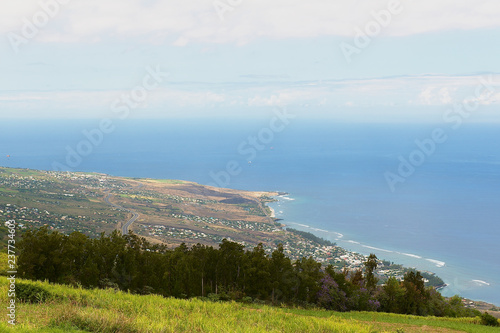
(73, 310)
(65, 309)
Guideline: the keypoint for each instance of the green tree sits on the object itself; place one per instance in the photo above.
(201, 255)
(370, 267)
(357, 280)
(41, 255)
(309, 274)
(340, 278)
(229, 265)
(391, 296)
(75, 256)
(282, 276)
(415, 294)
(257, 273)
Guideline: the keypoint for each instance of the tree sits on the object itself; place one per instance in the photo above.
(340, 278)
(129, 262)
(41, 255)
(416, 295)
(282, 275)
(76, 255)
(200, 254)
(370, 266)
(309, 274)
(331, 296)
(391, 296)
(257, 273)
(357, 279)
(229, 264)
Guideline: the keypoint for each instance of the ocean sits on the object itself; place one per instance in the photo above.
(441, 213)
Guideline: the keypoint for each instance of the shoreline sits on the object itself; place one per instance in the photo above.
(273, 213)
(399, 257)
(487, 283)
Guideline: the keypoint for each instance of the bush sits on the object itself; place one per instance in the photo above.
(31, 294)
(235, 295)
(246, 299)
(146, 290)
(489, 320)
(108, 284)
(213, 297)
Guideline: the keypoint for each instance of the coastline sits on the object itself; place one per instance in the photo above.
(409, 260)
(450, 290)
(273, 213)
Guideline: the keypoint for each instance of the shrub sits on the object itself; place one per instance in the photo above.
(489, 320)
(213, 297)
(30, 293)
(146, 290)
(246, 299)
(108, 284)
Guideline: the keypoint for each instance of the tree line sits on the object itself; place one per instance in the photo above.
(311, 237)
(130, 262)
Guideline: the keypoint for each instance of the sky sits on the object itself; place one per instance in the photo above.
(365, 60)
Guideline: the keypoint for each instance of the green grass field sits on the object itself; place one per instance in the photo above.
(78, 310)
(165, 181)
(21, 172)
(408, 323)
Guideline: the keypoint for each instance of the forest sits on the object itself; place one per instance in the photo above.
(229, 272)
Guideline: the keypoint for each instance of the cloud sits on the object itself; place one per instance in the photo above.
(432, 95)
(425, 97)
(404, 91)
(187, 21)
(265, 77)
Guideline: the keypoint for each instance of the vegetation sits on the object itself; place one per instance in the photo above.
(489, 320)
(171, 212)
(433, 279)
(77, 310)
(132, 264)
(311, 237)
(4, 266)
(3, 237)
(390, 322)
(167, 181)
(200, 277)
(70, 309)
(63, 201)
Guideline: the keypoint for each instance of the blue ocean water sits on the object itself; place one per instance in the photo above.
(444, 217)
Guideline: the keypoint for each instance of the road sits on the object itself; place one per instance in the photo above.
(134, 217)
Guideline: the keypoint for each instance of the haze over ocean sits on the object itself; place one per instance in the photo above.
(443, 218)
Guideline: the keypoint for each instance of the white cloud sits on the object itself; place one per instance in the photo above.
(425, 97)
(181, 22)
(486, 98)
(433, 95)
(389, 92)
(444, 95)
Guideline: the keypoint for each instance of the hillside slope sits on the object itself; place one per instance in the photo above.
(66, 309)
(73, 310)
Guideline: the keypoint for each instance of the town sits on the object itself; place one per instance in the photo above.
(171, 212)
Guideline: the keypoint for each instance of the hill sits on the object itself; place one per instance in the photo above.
(57, 308)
